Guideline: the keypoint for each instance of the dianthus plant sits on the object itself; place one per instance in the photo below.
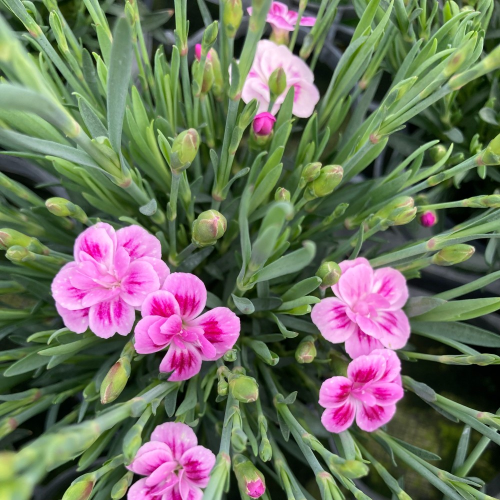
(217, 288)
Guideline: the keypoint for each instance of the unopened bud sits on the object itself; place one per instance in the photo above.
(265, 450)
(454, 254)
(121, 486)
(491, 155)
(208, 228)
(19, 254)
(277, 82)
(428, 218)
(329, 272)
(311, 172)
(184, 150)
(329, 178)
(231, 356)
(233, 13)
(210, 35)
(353, 469)
(218, 86)
(64, 208)
(306, 351)
(263, 124)
(10, 238)
(250, 480)
(488, 201)
(208, 75)
(437, 153)
(238, 439)
(399, 211)
(282, 194)
(81, 488)
(244, 389)
(115, 380)
(222, 388)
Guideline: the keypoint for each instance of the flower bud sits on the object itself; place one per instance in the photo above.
(282, 194)
(232, 15)
(454, 254)
(329, 272)
(250, 480)
(121, 486)
(208, 228)
(263, 124)
(115, 380)
(491, 155)
(329, 178)
(231, 356)
(306, 351)
(399, 211)
(64, 208)
(218, 86)
(244, 389)
(210, 35)
(197, 51)
(222, 387)
(265, 450)
(81, 488)
(428, 218)
(437, 153)
(19, 254)
(208, 75)
(311, 172)
(277, 82)
(353, 469)
(184, 150)
(10, 238)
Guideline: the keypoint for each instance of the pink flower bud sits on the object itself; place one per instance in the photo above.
(197, 51)
(263, 123)
(428, 218)
(256, 489)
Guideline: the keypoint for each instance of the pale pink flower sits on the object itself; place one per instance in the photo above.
(111, 275)
(176, 468)
(283, 20)
(428, 218)
(171, 318)
(366, 313)
(369, 393)
(269, 57)
(263, 123)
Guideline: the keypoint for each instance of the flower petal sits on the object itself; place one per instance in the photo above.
(76, 321)
(355, 284)
(370, 418)
(161, 269)
(160, 303)
(390, 284)
(334, 392)
(163, 477)
(198, 463)
(98, 243)
(64, 293)
(221, 328)
(140, 491)
(138, 242)
(392, 365)
(348, 264)
(183, 360)
(255, 88)
(182, 491)
(395, 328)
(306, 96)
(108, 318)
(149, 457)
(359, 344)
(140, 281)
(177, 436)
(190, 293)
(330, 317)
(144, 335)
(366, 369)
(385, 393)
(339, 419)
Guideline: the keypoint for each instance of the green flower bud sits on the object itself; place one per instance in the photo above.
(15, 489)
(121, 486)
(222, 388)
(251, 481)
(238, 438)
(491, 155)
(20, 254)
(231, 356)
(330, 273)
(208, 75)
(437, 153)
(64, 208)
(208, 228)
(81, 488)
(399, 211)
(184, 150)
(282, 194)
(218, 85)
(11, 237)
(329, 178)
(232, 15)
(311, 172)
(306, 351)
(353, 469)
(244, 389)
(115, 380)
(210, 35)
(277, 82)
(265, 450)
(454, 254)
